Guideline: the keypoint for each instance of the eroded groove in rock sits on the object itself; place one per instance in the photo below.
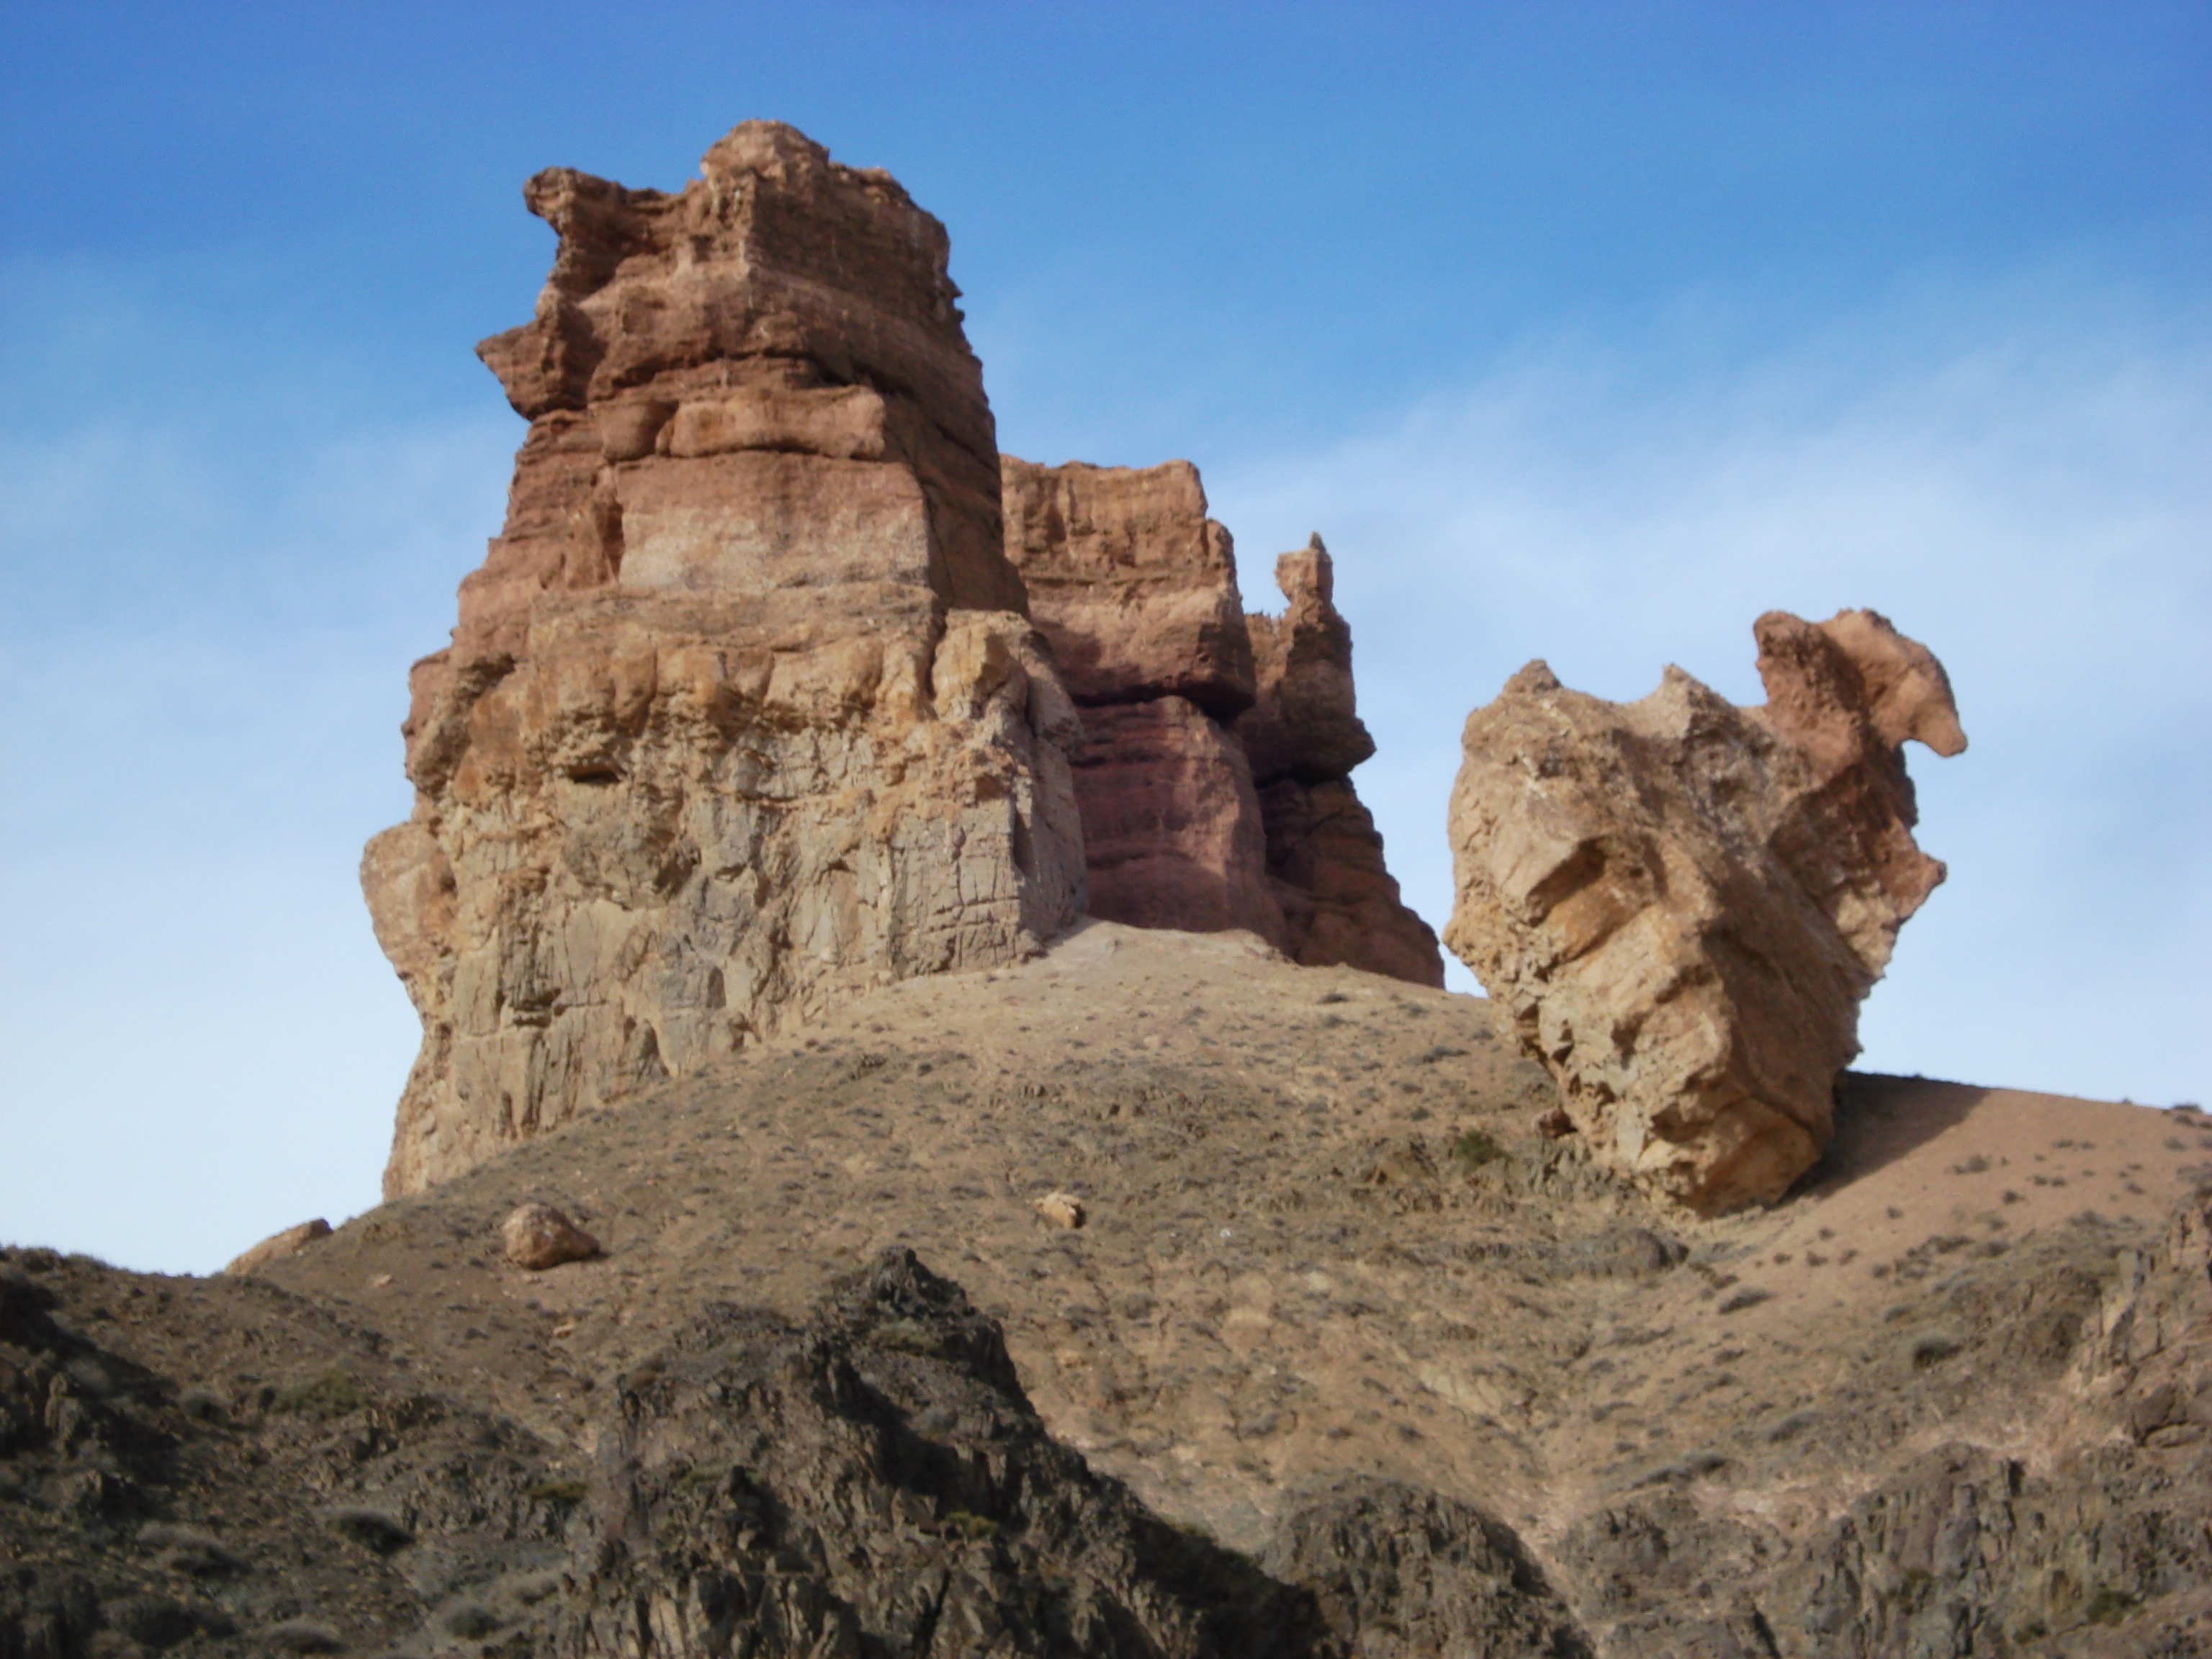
(1679, 904)
(742, 713)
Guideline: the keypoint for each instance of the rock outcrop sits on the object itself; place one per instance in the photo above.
(742, 713)
(1679, 904)
(1302, 736)
(1136, 588)
(1213, 780)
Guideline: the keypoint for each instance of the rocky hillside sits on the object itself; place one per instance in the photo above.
(935, 1134)
(1343, 1352)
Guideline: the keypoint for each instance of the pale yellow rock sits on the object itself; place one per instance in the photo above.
(1061, 1209)
(1678, 905)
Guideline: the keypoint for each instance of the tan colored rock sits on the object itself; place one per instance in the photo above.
(536, 1236)
(1678, 904)
(1303, 736)
(743, 714)
(278, 1246)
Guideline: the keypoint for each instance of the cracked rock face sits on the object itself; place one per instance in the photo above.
(1679, 904)
(742, 713)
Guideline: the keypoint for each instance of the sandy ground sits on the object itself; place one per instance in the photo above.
(1320, 1234)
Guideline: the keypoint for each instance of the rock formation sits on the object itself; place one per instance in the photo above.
(1213, 780)
(1302, 736)
(742, 712)
(1678, 904)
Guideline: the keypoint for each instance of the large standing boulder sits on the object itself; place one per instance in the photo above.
(744, 713)
(1678, 904)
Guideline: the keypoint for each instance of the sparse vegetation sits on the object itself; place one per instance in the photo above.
(1933, 1348)
(333, 1394)
(565, 1489)
(1473, 1148)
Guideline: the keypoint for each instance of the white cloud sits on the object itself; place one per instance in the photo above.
(2016, 476)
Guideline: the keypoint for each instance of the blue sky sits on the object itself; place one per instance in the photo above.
(1580, 331)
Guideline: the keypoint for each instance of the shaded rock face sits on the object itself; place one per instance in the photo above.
(742, 712)
(1213, 780)
(1678, 904)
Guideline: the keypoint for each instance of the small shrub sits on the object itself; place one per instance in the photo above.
(371, 1529)
(908, 1336)
(1933, 1349)
(1473, 1148)
(331, 1396)
(964, 1523)
(557, 1489)
(2108, 1606)
(303, 1636)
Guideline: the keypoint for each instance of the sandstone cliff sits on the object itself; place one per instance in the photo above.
(1214, 779)
(1679, 904)
(743, 712)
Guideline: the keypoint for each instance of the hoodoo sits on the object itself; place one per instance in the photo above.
(1679, 904)
(743, 714)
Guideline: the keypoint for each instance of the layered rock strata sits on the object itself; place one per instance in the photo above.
(1214, 779)
(742, 713)
(1678, 904)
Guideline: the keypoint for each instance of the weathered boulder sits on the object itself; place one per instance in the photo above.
(742, 714)
(536, 1236)
(1678, 904)
(1212, 781)
(1302, 736)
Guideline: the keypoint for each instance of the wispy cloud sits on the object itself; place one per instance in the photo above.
(202, 661)
(2015, 475)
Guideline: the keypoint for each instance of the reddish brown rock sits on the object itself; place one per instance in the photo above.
(1679, 904)
(1136, 589)
(742, 714)
(1213, 781)
(1172, 831)
(1304, 735)
(1134, 585)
